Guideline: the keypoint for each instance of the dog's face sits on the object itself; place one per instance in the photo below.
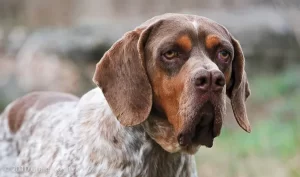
(176, 70)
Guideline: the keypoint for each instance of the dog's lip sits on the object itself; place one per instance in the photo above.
(204, 135)
(202, 128)
(202, 132)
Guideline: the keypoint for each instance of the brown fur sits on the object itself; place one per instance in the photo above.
(35, 101)
(240, 91)
(123, 88)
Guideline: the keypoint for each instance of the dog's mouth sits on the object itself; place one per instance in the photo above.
(203, 129)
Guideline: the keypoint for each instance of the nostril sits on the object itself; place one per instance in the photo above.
(220, 81)
(201, 81)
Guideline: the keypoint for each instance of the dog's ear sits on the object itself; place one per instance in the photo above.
(238, 90)
(122, 76)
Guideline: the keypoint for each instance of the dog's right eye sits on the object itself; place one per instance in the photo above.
(170, 54)
(224, 56)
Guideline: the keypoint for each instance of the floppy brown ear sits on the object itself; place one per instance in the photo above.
(122, 77)
(238, 90)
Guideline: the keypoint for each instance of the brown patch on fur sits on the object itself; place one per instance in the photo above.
(35, 101)
(185, 42)
(167, 95)
(211, 41)
(93, 157)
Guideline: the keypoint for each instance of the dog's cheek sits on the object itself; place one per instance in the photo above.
(166, 92)
(220, 113)
(227, 75)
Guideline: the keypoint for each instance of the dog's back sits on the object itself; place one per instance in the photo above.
(15, 121)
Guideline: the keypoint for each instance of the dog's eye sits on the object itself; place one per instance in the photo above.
(170, 54)
(224, 56)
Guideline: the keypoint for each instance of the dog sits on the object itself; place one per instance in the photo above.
(161, 95)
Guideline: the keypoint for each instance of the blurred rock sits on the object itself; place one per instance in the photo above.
(15, 40)
(1, 40)
(86, 43)
(7, 67)
(48, 72)
(62, 59)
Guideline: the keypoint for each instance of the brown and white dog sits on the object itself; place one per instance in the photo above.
(162, 95)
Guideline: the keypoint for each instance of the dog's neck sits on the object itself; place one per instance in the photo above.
(140, 147)
(162, 132)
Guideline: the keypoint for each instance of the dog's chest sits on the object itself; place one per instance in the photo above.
(111, 150)
(93, 143)
(130, 152)
(140, 160)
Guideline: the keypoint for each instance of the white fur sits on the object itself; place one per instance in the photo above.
(85, 139)
(196, 25)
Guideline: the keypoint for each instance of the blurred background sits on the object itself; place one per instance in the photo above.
(54, 45)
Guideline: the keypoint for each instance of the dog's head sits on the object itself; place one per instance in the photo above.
(175, 72)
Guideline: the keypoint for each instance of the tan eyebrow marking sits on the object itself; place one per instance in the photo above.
(185, 42)
(211, 41)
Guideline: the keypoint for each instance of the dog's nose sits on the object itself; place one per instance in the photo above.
(209, 80)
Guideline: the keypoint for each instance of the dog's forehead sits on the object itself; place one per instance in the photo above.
(178, 22)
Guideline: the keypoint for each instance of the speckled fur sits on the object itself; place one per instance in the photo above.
(85, 139)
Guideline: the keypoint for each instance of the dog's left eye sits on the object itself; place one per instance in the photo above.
(170, 54)
(224, 56)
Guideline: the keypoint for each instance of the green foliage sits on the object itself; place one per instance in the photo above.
(2, 106)
(267, 87)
